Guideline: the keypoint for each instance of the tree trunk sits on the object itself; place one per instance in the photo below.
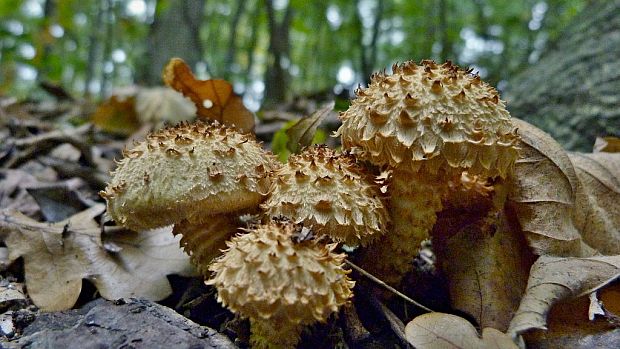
(248, 76)
(232, 40)
(93, 48)
(572, 92)
(276, 75)
(174, 33)
(368, 53)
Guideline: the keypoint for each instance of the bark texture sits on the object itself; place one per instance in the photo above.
(174, 33)
(573, 91)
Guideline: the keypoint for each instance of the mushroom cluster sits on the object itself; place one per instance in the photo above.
(428, 124)
(432, 131)
(199, 177)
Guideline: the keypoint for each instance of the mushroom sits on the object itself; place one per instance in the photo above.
(329, 192)
(204, 240)
(427, 124)
(189, 174)
(280, 283)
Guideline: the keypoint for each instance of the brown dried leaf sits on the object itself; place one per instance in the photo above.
(214, 98)
(447, 331)
(569, 327)
(117, 115)
(301, 134)
(58, 256)
(543, 194)
(607, 145)
(553, 279)
(492, 270)
(598, 200)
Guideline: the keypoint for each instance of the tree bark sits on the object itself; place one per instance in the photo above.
(93, 48)
(232, 40)
(368, 53)
(572, 92)
(252, 46)
(174, 33)
(276, 76)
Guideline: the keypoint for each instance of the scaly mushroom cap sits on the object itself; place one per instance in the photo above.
(188, 170)
(266, 276)
(330, 193)
(431, 116)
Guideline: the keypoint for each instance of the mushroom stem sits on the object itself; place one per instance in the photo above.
(274, 334)
(204, 239)
(415, 200)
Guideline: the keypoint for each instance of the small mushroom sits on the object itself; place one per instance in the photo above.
(329, 192)
(185, 171)
(437, 121)
(279, 284)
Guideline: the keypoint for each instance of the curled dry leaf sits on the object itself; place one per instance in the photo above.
(446, 331)
(553, 279)
(58, 256)
(214, 98)
(598, 200)
(543, 195)
(492, 270)
(607, 145)
(301, 134)
(569, 327)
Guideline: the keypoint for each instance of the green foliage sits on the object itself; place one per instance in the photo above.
(104, 42)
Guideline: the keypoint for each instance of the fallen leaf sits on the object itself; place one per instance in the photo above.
(58, 256)
(447, 331)
(543, 195)
(162, 105)
(214, 98)
(487, 271)
(569, 327)
(302, 133)
(117, 115)
(607, 145)
(13, 191)
(140, 266)
(553, 279)
(60, 200)
(598, 200)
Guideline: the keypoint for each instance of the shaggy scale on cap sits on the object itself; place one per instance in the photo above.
(187, 170)
(432, 116)
(279, 284)
(330, 193)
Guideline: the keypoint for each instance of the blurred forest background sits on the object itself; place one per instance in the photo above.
(274, 50)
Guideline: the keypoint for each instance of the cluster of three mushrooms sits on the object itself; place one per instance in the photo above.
(201, 177)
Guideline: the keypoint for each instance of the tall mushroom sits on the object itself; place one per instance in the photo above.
(427, 124)
(279, 283)
(331, 193)
(186, 175)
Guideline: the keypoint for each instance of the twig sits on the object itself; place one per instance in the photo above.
(42, 143)
(95, 178)
(397, 326)
(386, 286)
